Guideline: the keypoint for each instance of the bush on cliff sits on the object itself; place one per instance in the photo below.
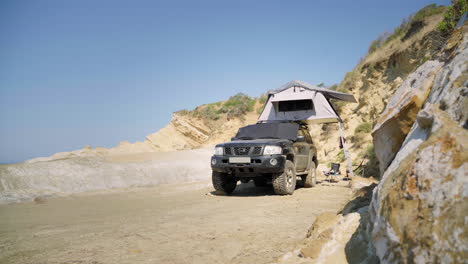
(452, 15)
(237, 106)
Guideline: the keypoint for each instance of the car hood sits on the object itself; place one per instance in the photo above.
(254, 142)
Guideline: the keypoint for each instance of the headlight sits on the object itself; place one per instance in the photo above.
(270, 150)
(219, 151)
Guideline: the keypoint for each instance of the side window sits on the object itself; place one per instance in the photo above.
(296, 105)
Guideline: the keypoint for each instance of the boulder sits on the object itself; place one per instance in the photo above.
(400, 113)
(418, 210)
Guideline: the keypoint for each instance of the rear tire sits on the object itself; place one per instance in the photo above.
(285, 183)
(310, 180)
(260, 182)
(222, 183)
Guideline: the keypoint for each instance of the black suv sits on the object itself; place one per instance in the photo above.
(264, 152)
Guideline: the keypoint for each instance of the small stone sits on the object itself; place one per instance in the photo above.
(425, 119)
(39, 200)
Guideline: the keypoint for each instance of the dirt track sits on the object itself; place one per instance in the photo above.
(163, 224)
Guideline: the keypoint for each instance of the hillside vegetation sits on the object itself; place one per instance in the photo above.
(236, 106)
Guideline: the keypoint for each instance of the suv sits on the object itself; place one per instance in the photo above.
(266, 152)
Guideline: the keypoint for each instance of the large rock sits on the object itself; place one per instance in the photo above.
(400, 113)
(419, 207)
(418, 210)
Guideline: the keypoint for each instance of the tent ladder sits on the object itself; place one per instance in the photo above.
(345, 150)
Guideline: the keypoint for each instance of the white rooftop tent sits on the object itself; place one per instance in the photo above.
(300, 101)
(304, 102)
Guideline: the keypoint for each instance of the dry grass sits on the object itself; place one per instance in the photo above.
(398, 45)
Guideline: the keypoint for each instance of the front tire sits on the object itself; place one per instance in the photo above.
(222, 183)
(285, 183)
(310, 180)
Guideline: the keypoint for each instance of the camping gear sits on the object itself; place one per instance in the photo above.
(333, 172)
(345, 150)
(268, 130)
(298, 101)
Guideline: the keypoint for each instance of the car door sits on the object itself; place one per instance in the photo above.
(313, 149)
(301, 149)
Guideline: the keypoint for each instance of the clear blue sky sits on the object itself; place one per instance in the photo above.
(74, 73)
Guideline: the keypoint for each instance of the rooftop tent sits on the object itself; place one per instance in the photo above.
(300, 101)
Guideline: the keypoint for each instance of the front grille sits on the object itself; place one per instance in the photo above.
(227, 151)
(241, 150)
(257, 151)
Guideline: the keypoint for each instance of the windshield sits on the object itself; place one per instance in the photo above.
(268, 130)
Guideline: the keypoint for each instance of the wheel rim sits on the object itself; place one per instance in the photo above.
(289, 176)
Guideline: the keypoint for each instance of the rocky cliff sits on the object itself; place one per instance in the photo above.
(418, 210)
(373, 81)
(414, 92)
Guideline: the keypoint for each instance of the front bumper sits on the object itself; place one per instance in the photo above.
(258, 165)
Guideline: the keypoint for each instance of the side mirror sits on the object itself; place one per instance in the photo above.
(300, 139)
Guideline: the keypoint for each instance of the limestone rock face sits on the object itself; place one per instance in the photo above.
(419, 207)
(450, 89)
(196, 131)
(181, 133)
(418, 210)
(400, 113)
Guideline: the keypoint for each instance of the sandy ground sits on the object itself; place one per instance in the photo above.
(171, 223)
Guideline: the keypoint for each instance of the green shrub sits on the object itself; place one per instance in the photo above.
(263, 98)
(183, 112)
(452, 15)
(237, 106)
(371, 167)
(427, 11)
(262, 101)
(380, 41)
(338, 105)
(399, 31)
(370, 151)
(260, 110)
(357, 139)
(365, 127)
(207, 112)
(373, 46)
(333, 87)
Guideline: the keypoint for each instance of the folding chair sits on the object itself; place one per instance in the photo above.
(333, 172)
